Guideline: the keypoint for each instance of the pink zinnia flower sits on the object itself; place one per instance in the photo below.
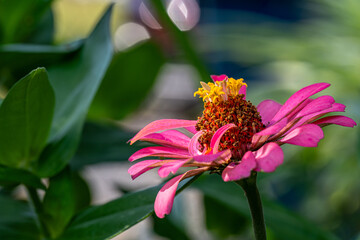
(233, 137)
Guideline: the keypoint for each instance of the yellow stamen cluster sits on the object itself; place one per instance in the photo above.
(234, 85)
(220, 90)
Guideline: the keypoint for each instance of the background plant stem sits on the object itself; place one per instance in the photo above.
(254, 200)
(182, 40)
(36, 204)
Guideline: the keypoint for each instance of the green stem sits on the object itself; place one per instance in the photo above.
(182, 40)
(254, 200)
(37, 206)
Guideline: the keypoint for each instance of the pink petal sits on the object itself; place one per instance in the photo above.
(268, 109)
(172, 167)
(307, 136)
(194, 144)
(224, 155)
(218, 78)
(336, 107)
(165, 197)
(317, 105)
(141, 167)
(269, 157)
(191, 129)
(273, 129)
(243, 91)
(167, 152)
(234, 172)
(337, 119)
(215, 140)
(163, 124)
(170, 138)
(297, 98)
(297, 109)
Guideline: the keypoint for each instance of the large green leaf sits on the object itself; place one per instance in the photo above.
(25, 119)
(75, 83)
(17, 221)
(62, 200)
(282, 223)
(102, 143)
(128, 80)
(108, 220)
(16, 176)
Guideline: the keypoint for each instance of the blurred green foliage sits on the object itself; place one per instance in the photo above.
(42, 118)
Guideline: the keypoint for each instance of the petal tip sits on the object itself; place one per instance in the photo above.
(218, 78)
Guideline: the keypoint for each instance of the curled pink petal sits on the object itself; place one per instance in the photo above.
(243, 91)
(267, 109)
(167, 152)
(170, 167)
(297, 98)
(165, 197)
(307, 136)
(269, 157)
(215, 140)
(234, 172)
(160, 125)
(317, 105)
(170, 138)
(224, 155)
(273, 129)
(337, 119)
(141, 167)
(194, 144)
(218, 78)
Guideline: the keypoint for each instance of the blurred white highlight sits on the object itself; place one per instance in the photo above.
(184, 13)
(148, 18)
(129, 34)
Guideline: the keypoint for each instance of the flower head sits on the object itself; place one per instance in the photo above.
(233, 137)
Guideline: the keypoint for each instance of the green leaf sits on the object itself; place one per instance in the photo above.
(33, 55)
(25, 119)
(282, 223)
(75, 83)
(102, 143)
(57, 153)
(17, 221)
(12, 175)
(108, 220)
(81, 191)
(19, 19)
(62, 200)
(127, 82)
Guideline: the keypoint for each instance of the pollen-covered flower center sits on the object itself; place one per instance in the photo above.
(234, 110)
